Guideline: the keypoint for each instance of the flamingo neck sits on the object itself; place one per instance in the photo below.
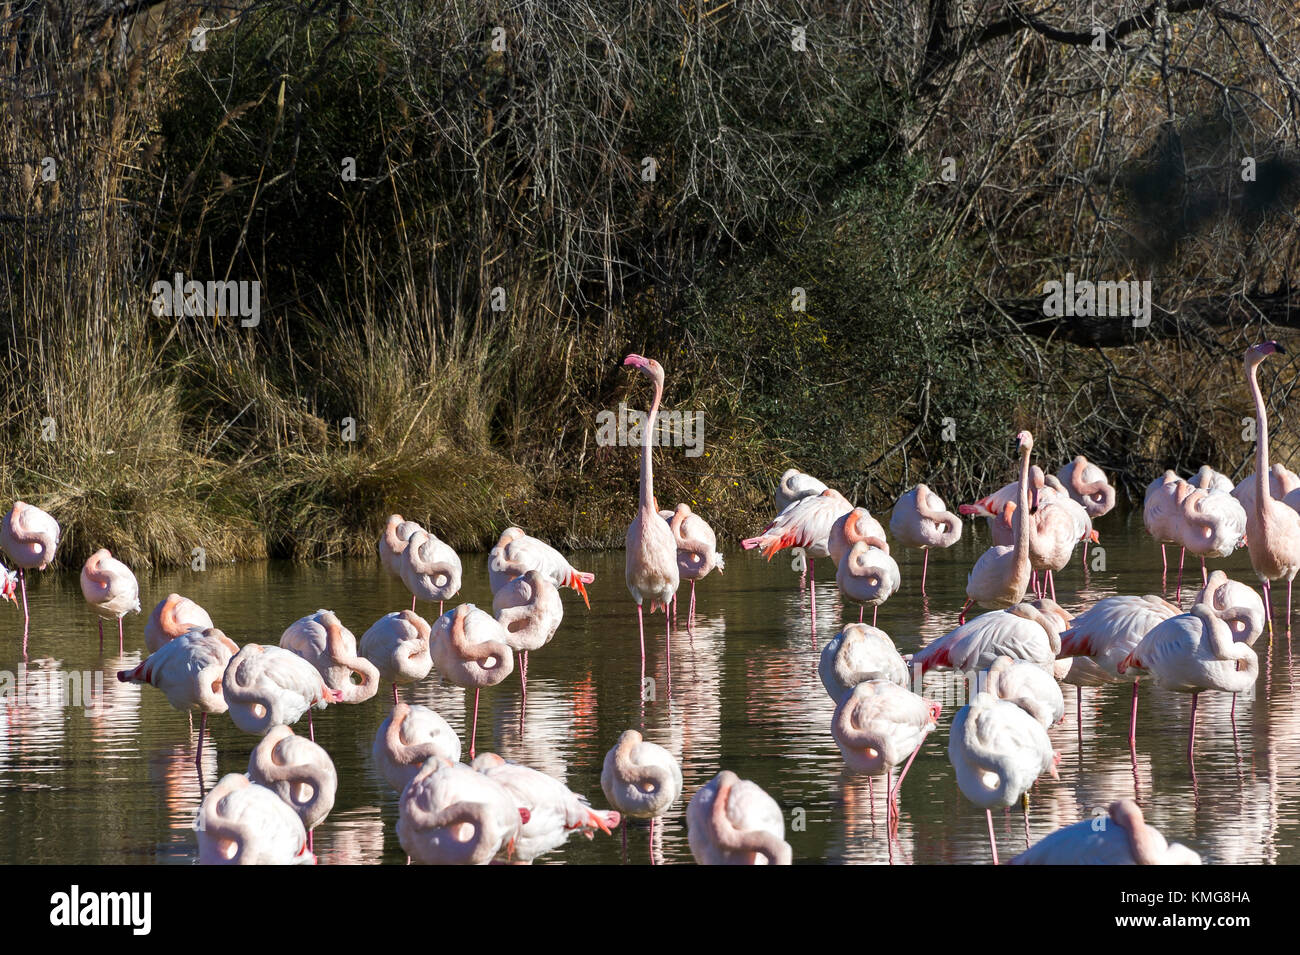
(1262, 493)
(1022, 512)
(647, 462)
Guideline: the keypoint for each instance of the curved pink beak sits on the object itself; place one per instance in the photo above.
(636, 360)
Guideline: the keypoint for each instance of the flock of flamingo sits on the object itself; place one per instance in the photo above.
(1017, 655)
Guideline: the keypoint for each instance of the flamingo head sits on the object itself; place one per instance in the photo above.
(649, 366)
(1257, 353)
(1024, 441)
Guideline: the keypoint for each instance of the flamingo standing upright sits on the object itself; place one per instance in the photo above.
(1001, 575)
(555, 812)
(111, 589)
(1192, 653)
(299, 772)
(859, 654)
(408, 737)
(322, 640)
(795, 484)
(530, 610)
(641, 780)
(732, 821)
(879, 725)
(393, 542)
(173, 616)
(31, 539)
(430, 569)
(1088, 485)
(1272, 528)
(920, 519)
(651, 563)
(242, 823)
(998, 751)
(190, 670)
(398, 645)
(697, 550)
(1122, 838)
(452, 815)
(516, 553)
(470, 648)
(268, 686)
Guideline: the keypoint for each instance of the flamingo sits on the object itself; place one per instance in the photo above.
(1208, 479)
(1272, 528)
(1102, 636)
(408, 737)
(641, 780)
(471, 649)
(31, 539)
(190, 671)
(651, 564)
(1122, 837)
(697, 549)
(322, 640)
(111, 590)
(430, 569)
(1213, 524)
(868, 575)
(921, 519)
(880, 724)
(1159, 510)
(859, 654)
(999, 507)
(173, 616)
(1088, 485)
(299, 772)
(1027, 685)
(516, 553)
(242, 823)
(1027, 631)
(851, 527)
(398, 646)
(1236, 604)
(794, 485)
(732, 821)
(1001, 575)
(1283, 485)
(530, 610)
(1192, 653)
(451, 815)
(1056, 529)
(554, 811)
(805, 523)
(267, 687)
(393, 542)
(998, 751)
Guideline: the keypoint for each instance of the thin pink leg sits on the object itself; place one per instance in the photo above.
(101, 635)
(992, 842)
(690, 614)
(668, 631)
(27, 617)
(1288, 607)
(906, 766)
(1085, 553)
(812, 589)
(198, 756)
(652, 840)
(861, 608)
(1078, 712)
(1133, 720)
(1051, 580)
(1025, 797)
(119, 636)
(1205, 577)
(474, 729)
(412, 603)
(1191, 736)
(311, 725)
(394, 694)
(1178, 591)
(523, 686)
(874, 612)
(925, 566)
(640, 626)
(439, 608)
(1268, 605)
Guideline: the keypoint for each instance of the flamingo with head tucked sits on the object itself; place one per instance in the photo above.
(393, 542)
(1027, 685)
(299, 772)
(398, 646)
(173, 616)
(471, 649)
(1272, 528)
(868, 575)
(651, 552)
(322, 640)
(641, 780)
(111, 589)
(516, 553)
(451, 815)
(31, 539)
(268, 686)
(859, 654)
(1122, 838)
(794, 485)
(920, 519)
(1088, 485)
(697, 550)
(430, 569)
(1001, 575)
(242, 823)
(407, 738)
(732, 821)
(530, 610)
(1208, 479)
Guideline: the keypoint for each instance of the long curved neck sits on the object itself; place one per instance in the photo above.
(647, 462)
(1022, 512)
(1261, 441)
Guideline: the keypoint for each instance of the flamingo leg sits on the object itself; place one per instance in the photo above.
(993, 845)
(1191, 736)
(523, 687)
(1025, 801)
(439, 608)
(668, 665)
(961, 618)
(652, 840)
(198, 755)
(690, 613)
(311, 842)
(874, 612)
(412, 603)
(906, 766)
(27, 617)
(119, 637)
(394, 694)
(1204, 575)
(1268, 605)
(101, 636)
(1133, 720)
(861, 608)
(812, 589)
(474, 729)
(1051, 580)
(1178, 591)
(925, 566)
(311, 725)
(640, 626)
(1288, 607)
(1078, 712)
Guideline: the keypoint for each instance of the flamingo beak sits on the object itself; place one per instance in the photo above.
(636, 360)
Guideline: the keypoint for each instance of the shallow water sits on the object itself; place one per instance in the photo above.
(117, 784)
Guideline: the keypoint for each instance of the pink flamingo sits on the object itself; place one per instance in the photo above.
(111, 589)
(805, 523)
(190, 670)
(878, 726)
(1001, 575)
(998, 507)
(267, 687)
(516, 553)
(299, 772)
(407, 738)
(1192, 653)
(1283, 485)
(1236, 604)
(1088, 485)
(430, 569)
(1208, 479)
(451, 815)
(641, 780)
(651, 565)
(31, 538)
(1027, 685)
(868, 575)
(1160, 513)
(322, 640)
(921, 519)
(851, 527)
(173, 616)
(1027, 631)
(554, 811)
(242, 823)
(398, 645)
(859, 654)
(697, 550)
(393, 542)
(732, 821)
(471, 649)
(530, 610)
(1122, 838)
(795, 485)
(1272, 528)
